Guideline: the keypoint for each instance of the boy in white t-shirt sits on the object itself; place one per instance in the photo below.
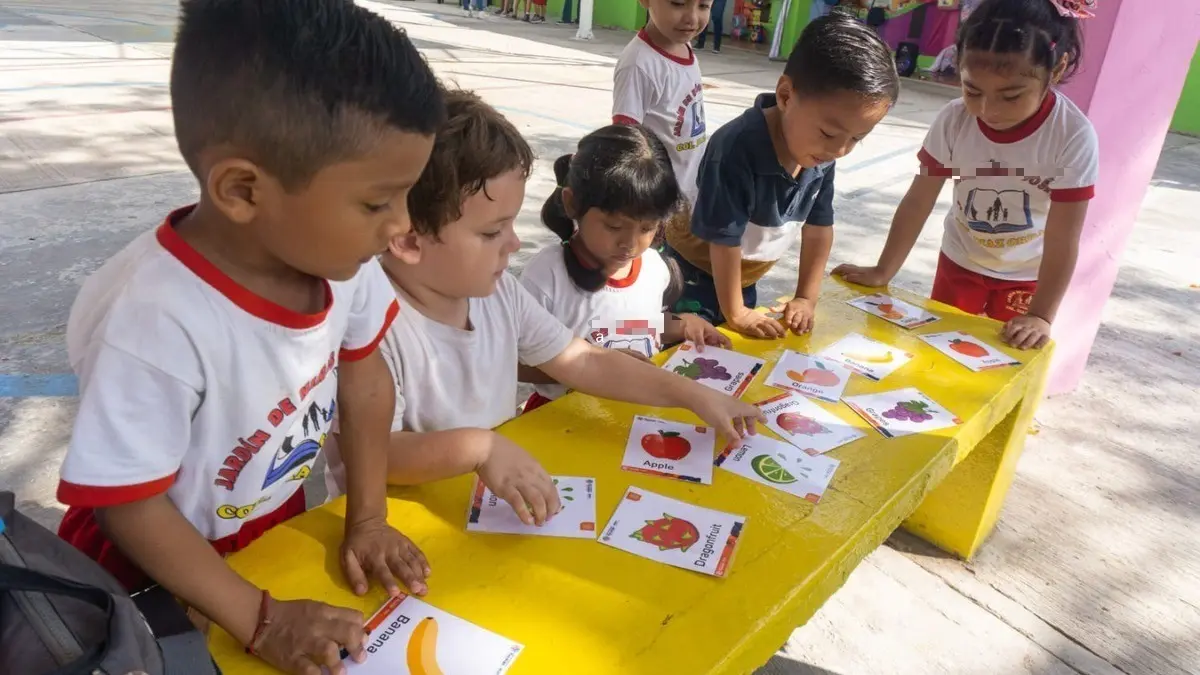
(454, 355)
(213, 352)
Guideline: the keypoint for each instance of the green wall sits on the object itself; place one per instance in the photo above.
(1187, 113)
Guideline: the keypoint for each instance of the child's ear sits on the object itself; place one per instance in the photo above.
(240, 189)
(406, 247)
(783, 91)
(1059, 70)
(568, 199)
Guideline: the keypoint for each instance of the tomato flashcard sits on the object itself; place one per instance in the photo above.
(670, 449)
(870, 358)
(674, 532)
(902, 412)
(720, 369)
(807, 425)
(779, 465)
(969, 351)
(577, 519)
(895, 310)
(822, 379)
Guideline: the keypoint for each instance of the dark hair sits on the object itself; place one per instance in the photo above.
(1032, 28)
(623, 169)
(475, 145)
(836, 52)
(295, 85)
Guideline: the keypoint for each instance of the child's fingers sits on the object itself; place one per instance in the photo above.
(354, 572)
(410, 570)
(553, 503)
(517, 502)
(537, 502)
(386, 570)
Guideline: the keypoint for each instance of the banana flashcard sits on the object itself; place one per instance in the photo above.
(870, 358)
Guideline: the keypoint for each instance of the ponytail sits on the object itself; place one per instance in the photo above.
(554, 211)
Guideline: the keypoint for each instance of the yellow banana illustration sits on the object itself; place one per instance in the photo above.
(422, 648)
(872, 358)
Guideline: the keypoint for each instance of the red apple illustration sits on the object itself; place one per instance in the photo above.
(667, 445)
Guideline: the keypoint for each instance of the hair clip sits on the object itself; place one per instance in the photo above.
(1077, 9)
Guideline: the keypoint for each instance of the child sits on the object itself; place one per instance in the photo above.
(772, 168)
(657, 83)
(467, 322)
(605, 282)
(1024, 162)
(210, 350)
(539, 11)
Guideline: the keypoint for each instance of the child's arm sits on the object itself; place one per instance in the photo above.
(907, 224)
(727, 277)
(815, 243)
(1060, 251)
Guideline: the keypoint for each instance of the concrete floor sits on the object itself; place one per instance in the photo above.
(1095, 564)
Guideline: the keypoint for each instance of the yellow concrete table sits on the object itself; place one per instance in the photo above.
(580, 607)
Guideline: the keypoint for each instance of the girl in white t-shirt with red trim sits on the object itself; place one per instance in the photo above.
(1024, 160)
(606, 281)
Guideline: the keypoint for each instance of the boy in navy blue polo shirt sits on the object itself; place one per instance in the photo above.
(767, 177)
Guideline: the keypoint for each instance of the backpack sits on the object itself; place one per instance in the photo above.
(63, 614)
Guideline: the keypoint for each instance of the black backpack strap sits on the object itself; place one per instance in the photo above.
(20, 579)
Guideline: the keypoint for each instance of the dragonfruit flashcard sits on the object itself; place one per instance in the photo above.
(807, 425)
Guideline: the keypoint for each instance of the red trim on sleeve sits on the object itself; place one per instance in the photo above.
(97, 496)
(624, 119)
(630, 279)
(691, 57)
(1079, 194)
(932, 166)
(363, 352)
(1024, 129)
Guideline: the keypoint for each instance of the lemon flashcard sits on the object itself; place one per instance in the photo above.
(721, 369)
(410, 637)
(779, 465)
(577, 519)
(807, 425)
(895, 310)
(822, 379)
(870, 358)
(670, 449)
(969, 351)
(902, 412)
(674, 532)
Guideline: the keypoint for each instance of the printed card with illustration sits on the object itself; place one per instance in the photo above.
(779, 465)
(807, 425)
(720, 369)
(410, 637)
(870, 358)
(822, 379)
(674, 532)
(577, 519)
(670, 449)
(902, 412)
(895, 310)
(969, 351)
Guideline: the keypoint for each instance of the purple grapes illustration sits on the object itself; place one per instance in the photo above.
(703, 369)
(910, 411)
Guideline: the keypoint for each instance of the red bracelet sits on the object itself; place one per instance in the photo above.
(263, 620)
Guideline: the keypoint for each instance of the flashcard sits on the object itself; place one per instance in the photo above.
(902, 412)
(410, 637)
(670, 449)
(895, 310)
(716, 368)
(822, 379)
(870, 358)
(779, 465)
(969, 351)
(577, 519)
(807, 425)
(674, 532)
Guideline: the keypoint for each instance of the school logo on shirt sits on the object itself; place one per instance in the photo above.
(689, 121)
(297, 451)
(997, 211)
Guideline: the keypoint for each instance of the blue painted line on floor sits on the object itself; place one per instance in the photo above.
(24, 386)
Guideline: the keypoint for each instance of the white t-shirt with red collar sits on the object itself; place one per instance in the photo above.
(1005, 182)
(664, 93)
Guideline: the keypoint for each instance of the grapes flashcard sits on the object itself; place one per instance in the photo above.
(895, 310)
(716, 368)
(902, 412)
(822, 379)
(670, 449)
(870, 358)
(577, 519)
(674, 532)
(807, 425)
(969, 351)
(410, 637)
(779, 465)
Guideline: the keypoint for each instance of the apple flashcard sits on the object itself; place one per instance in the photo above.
(779, 465)
(822, 379)
(410, 637)
(577, 519)
(895, 310)
(807, 425)
(902, 412)
(674, 532)
(870, 358)
(716, 368)
(969, 351)
(670, 449)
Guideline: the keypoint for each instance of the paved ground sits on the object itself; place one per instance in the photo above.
(1095, 565)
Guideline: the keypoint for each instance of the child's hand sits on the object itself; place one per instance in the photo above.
(378, 549)
(512, 475)
(732, 418)
(303, 635)
(863, 276)
(798, 314)
(700, 332)
(753, 324)
(1026, 332)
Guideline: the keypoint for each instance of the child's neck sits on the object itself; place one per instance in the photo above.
(665, 43)
(775, 129)
(431, 304)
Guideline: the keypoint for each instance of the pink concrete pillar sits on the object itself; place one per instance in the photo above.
(1136, 57)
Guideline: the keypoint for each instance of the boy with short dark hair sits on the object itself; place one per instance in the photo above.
(213, 351)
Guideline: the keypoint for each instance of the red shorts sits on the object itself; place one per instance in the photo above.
(535, 401)
(975, 293)
(539, 3)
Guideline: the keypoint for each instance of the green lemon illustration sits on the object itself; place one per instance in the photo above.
(768, 468)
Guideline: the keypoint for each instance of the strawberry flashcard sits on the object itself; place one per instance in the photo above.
(870, 358)
(807, 425)
(670, 449)
(410, 637)
(895, 310)
(822, 379)
(674, 532)
(577, 518)
(902, 412)
(716, 368)
(969, 351)
(779, 465)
